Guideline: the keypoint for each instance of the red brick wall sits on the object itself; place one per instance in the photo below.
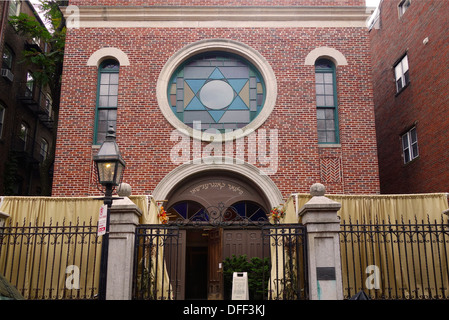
(143, 132)
(424, 102)
(219, 2)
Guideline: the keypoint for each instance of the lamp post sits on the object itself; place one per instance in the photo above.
(110, 166)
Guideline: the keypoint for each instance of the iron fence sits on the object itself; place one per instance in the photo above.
(395, 259)
(156, 265)
(287, 278)
(51, 261)
(281, 273)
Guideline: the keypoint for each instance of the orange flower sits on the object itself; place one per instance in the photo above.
(162, 216)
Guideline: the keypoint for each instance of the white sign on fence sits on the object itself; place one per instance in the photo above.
(240, 286)
(102, 220)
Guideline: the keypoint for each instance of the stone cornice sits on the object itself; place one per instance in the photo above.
(204, 16)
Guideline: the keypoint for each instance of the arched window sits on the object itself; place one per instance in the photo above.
(107, 99)
(246, 210)
(193, 212)
(187, 210)
(326, 101)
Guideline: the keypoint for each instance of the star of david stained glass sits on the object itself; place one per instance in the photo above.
(220, 90)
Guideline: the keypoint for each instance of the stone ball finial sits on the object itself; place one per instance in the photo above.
(124, 190)
(317, 190)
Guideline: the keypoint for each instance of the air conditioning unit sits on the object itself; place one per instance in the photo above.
(6, 73)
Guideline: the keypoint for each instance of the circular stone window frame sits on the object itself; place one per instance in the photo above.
(223, 45)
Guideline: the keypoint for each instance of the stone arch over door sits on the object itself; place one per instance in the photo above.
(254, 185)
(210, 188)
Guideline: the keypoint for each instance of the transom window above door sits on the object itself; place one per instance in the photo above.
(218, 89)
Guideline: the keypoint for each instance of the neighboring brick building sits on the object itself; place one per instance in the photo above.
(410, 53)
(140, 67)
(26, 115)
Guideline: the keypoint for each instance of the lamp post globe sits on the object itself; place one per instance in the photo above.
(109, 161)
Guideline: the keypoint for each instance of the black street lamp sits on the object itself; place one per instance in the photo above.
(110, 166)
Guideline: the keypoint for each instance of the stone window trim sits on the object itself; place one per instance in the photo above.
(97, 58)
(325, 53)
(224, 45)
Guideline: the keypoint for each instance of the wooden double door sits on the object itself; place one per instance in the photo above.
(199, 256)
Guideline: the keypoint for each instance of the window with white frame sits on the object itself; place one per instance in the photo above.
(401, 71)
(7, 58)
(14, 8)
(403, 6)
(410, 145)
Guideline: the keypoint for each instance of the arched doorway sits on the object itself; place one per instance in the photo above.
(218, 213)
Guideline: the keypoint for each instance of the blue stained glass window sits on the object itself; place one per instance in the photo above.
(249, 210)
(222, 90)
(188, 210)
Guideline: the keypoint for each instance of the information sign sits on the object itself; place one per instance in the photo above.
(240, 286)
(102, 220)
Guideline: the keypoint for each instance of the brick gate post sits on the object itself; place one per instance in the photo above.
(319, 216)
(124, 220)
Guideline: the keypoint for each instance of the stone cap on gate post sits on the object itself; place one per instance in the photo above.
(123, 210)
(320, 209)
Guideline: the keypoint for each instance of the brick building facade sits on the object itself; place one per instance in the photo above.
(296, 50)
(410, 52)
(26, 113)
